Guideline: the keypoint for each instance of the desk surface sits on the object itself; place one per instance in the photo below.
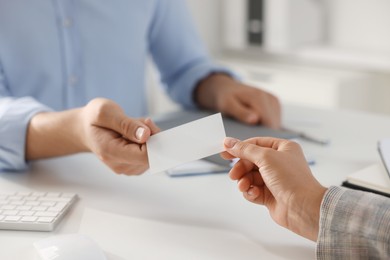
(204, 201)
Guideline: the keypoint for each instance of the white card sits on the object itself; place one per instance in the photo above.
(186, 143)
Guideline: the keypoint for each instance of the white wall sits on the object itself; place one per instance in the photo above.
(360, 24)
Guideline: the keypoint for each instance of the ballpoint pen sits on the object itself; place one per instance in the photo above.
(307, 137)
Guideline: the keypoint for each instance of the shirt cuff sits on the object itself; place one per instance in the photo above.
(15, 115)
(182, 90)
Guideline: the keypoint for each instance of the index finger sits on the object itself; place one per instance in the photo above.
(254, 149)
(123, 151)
(243, 150)
(267, 142)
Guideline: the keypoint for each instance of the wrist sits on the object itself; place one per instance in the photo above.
(305, 213)
(207, 91)
(78, 130)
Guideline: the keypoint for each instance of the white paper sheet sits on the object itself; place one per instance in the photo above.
(186, 143)
(123, 237)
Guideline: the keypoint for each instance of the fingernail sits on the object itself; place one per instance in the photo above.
(250, 192)
(139, 133)
(230, 142)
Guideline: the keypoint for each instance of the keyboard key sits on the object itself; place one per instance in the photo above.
(10, 212)
(29, 219)
(33, 198)
(15, 197)
(48, 203)
(39, 194)
(32, 203)
(45, 219)
(23, 207)
(17, 202)
(8, 207)
(59, 199)
(12, 218)
(23, 193)
(45, 214)
(53, 194)
(6, 193)
(40, 208)
(26, 213)
(58, 207)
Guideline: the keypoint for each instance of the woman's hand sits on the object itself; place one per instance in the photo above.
(274, 173)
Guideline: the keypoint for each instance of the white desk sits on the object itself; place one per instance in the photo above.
(206, 201)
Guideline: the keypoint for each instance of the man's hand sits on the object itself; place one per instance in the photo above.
(247, 104)
(119, 141)
(100, 127)
(274, 173)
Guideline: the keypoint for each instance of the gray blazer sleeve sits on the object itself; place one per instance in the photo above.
(354, 225)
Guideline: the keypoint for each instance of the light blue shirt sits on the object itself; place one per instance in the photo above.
(59, 54)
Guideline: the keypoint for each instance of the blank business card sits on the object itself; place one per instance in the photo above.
(186, 143)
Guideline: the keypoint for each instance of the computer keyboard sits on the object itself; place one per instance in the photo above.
(37, 211)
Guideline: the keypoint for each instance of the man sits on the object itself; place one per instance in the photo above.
(71, 72)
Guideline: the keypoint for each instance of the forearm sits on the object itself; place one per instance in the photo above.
(53, 134)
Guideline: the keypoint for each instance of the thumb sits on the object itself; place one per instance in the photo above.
(243, 150)
(107, 114)
(132, 129)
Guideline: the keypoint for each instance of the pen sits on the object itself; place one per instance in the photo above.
(192, 174)
(309, 138)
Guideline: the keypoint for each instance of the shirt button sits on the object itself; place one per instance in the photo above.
(67, 23)
(73, 80)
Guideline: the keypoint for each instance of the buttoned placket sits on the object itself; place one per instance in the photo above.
(70, 50)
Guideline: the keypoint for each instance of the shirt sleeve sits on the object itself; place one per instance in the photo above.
(178, 51)
(15, 114)
(354, 225)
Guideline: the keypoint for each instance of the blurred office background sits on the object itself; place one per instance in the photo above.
(321, 53)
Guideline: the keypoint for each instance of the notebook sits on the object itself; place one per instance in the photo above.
(373, 178)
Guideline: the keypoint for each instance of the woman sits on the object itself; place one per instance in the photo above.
(346, 224)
